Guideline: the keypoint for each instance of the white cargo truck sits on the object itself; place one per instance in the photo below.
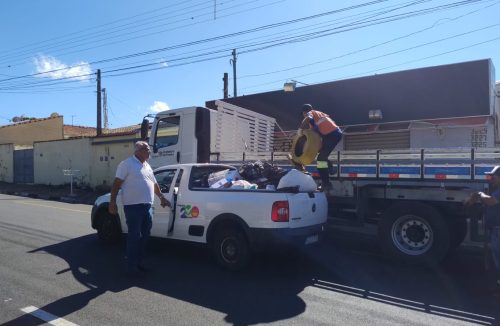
(413, 195)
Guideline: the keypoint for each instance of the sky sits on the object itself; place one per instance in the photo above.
(158, 54)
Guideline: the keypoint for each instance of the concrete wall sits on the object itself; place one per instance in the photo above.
(51, 158)
(7, 163)
(107, 153)
(96, 159)
(27, 133)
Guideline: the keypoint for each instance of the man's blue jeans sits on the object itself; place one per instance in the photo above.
(139, 223)
(495, 247)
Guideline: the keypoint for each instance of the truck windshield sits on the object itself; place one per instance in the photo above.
(167, 132)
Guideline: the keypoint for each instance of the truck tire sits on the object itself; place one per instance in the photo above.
(306, 147)
(231, 248)
(108, 229)
(414, 233)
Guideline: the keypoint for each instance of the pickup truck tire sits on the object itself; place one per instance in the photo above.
(231, 248)
(414, 233)
(108, 229)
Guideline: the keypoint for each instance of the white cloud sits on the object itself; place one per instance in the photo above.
(159, 106)
(48, 66)
(163, 63)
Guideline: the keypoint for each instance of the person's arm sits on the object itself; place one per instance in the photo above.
(305, 124)
(473, 198)
(117, 184)
(163, 201)
(486, 199)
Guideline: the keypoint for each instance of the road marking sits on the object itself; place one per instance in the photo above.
(65, 209)
(47, 317)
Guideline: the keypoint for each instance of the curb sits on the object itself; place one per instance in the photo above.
(65, 199)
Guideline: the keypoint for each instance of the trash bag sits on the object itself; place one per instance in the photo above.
(243, 184)
(220, 178)
(273, 173)
(251, 171)
(262, 173)
(296, 178)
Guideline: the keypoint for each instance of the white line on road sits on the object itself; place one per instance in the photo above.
(66, 209)
(47, 317)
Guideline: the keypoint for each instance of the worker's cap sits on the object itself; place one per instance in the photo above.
(306, 107)
(495, 171)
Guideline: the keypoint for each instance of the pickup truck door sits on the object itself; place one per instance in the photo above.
(163, 216)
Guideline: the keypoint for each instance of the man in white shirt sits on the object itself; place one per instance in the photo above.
(137, 181)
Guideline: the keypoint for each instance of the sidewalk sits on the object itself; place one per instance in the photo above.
(57, 193)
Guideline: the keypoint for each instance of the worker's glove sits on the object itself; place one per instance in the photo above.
(300, 132)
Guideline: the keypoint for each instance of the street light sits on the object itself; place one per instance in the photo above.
(290, 86)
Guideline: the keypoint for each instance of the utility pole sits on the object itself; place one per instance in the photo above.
(225, 92)
(105, 107)
(99, 130)
(233, 62)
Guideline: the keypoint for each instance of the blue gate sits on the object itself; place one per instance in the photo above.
(23, 166)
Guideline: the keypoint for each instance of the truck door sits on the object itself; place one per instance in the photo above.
(166, 144)
(174, 137)
(163, 217)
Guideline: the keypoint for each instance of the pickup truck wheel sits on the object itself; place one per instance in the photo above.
(414, 233)
(108, 229)
(231, 249)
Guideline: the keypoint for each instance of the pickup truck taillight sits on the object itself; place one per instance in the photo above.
(280, 211)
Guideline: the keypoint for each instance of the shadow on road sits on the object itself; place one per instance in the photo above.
(269, 290)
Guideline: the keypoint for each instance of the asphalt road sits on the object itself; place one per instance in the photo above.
(52, 266)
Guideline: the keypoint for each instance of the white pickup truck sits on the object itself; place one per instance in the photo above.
(233, 222)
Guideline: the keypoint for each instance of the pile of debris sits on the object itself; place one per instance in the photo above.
(261, 175)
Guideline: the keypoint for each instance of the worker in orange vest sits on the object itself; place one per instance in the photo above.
(330, 134)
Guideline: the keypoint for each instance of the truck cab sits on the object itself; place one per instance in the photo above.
(201, 135)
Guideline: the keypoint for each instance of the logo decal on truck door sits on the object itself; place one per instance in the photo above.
(188, 211)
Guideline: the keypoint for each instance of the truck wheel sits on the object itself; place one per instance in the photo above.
(305, 148)
(458, 231)
(415, 233)
(108, 229)
(231, 249)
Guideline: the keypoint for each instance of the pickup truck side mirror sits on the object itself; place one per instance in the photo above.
(144, 129)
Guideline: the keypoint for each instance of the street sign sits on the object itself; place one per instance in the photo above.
(71, 173)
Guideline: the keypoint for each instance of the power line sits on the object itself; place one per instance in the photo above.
(425, 58)
(127, 32)
(85, 30)
(378, 57)
(299, 38)
(220, 37)
(366, 48)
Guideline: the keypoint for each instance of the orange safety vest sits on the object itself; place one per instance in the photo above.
(323, 121)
